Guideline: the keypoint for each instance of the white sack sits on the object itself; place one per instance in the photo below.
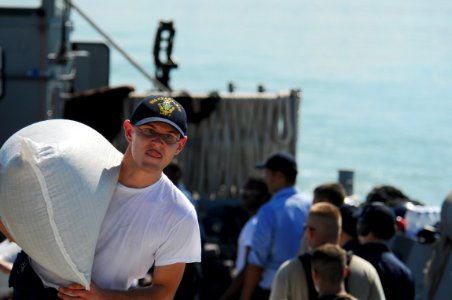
(56, 180)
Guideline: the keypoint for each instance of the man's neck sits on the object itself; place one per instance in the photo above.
(370, 238)
(132, 176)
(281, 187)
(331, 290)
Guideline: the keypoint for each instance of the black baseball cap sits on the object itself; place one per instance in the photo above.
(281, 161)
(349, 219)
(160, 109)
(379, 218)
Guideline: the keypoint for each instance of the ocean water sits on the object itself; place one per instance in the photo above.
(376, 76)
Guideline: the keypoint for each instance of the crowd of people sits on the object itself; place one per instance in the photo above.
(284, 262)
(290, 246)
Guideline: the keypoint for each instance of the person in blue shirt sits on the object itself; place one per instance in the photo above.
(279, 227)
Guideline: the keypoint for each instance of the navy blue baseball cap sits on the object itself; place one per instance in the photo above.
(281, 161)
(378, 218)
(160, 109)
(349, 219)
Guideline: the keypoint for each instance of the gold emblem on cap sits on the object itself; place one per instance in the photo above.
(167, 105)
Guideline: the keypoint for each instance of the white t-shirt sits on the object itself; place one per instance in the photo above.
(245, 239)
(153, 225)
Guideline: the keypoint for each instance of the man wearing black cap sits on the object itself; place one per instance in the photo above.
(279, 226)
(149, 220)
(376, 225)
(349, 238)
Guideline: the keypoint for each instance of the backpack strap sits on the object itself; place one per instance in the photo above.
(349, 259)
(305, 260)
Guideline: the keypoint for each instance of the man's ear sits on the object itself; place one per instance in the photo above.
(346, 271)
(280, 175)
(181, 145)
(315, 276)
(128, 128)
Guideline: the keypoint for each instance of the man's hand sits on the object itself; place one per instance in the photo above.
(165, 281)
(78, 291)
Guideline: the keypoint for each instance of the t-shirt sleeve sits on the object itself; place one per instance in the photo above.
(248, 232)
(183, 243)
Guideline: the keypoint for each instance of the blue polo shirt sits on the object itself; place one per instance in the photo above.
(278, 232)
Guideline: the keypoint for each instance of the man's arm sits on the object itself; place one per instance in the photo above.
(5, 266)
(236, 286)
(5, 232)
(253, 275)
(165, 282)
(259, 253)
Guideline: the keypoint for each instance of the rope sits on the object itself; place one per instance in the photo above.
(237, 135)
(223, 149)
(153, 80)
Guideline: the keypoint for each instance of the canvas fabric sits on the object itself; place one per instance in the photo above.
(57, 178)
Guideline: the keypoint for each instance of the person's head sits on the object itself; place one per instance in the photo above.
(280, 171)
(329, 268)
(332, 192)
(254, 194)
(156, 132)
(376, 222)
(174, 172)
(391, 196)
(349, 220)
(386, 194)
(323, 224)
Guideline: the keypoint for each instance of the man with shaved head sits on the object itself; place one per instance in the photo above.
(329, 268)
(293, 279)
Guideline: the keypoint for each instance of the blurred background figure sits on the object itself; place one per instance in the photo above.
(8, 254)
(253, 195)
(331, 192)
(376, 225)
(329, 269)
(191, 281)
(349, 237)
(294, 278)
(437, 270)
(174, 173)
(279, 229)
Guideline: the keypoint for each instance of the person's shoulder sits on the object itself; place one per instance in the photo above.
(291, 266)
(338, 297)
(301, 198)
(290, 270)
(359, 262)
(248, 228)
(251, 223)
(396, 262)
(360, 266)
(267, 208)
(173, 198)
